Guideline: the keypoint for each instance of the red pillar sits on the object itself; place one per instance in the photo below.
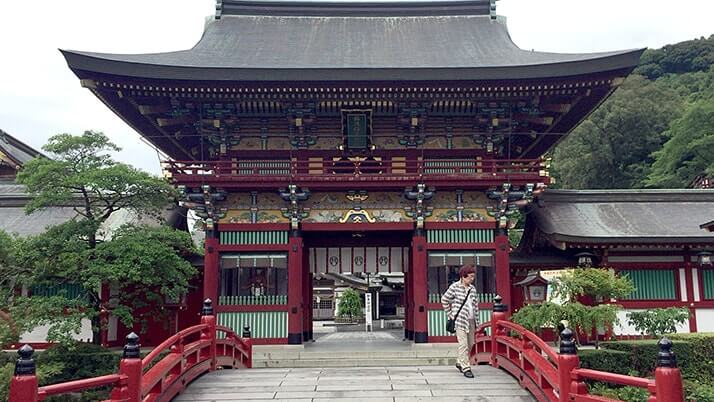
(419, 287)
(211, 266)
(306, 299)
(503, 274)
(295, 289)
(408, 304)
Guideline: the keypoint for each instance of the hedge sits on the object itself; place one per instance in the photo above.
(694, 354)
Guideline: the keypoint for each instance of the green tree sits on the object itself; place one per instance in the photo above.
(612, 148)
(350, 304)
(658, 321)
(139, 264)
(599, 284)
(688, 152)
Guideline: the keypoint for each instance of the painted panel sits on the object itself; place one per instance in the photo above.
(708, 279)
(263, 324)
(682, 285)
(254, 237)
(436, 321)
(252, 300)
(460, 236)
(651, 284)
(705, 319)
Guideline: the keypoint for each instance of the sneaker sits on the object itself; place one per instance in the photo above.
(468, 374)
(458, 367)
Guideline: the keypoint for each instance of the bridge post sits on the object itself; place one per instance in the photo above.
(129, 389)
(568, 360)
(249, 344)
(668, 378)
(499, 314)
(209, 319)
(23, 386)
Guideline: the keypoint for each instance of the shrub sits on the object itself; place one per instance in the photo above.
(350, 304)
(63, 363)
(613, 361)
(658, 321)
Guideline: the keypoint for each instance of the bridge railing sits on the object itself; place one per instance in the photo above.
(557, 377)
(161, 375)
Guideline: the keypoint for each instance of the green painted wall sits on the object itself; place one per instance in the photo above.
(437, 321)
(252, 300)
(459, 236)
(482, 298)
(653, 284)
(263, 324)
(68, 290)
(254, 237)
(708, 277)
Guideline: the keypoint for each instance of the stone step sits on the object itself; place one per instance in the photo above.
(385, 383)
(355, 362)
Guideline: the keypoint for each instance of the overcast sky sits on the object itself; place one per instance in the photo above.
(40, 96)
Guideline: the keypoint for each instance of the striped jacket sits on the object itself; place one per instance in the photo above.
(452, 299)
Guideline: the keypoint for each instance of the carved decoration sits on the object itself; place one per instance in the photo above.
(420, 211)
(294, 212)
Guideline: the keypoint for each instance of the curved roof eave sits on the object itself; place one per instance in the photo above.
(85, 62)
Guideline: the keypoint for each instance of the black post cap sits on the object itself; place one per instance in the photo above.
(567, 343)
(665, 357)
(25, 364)
(498, 306)
(246, 332)
(132, 349)
(207, 307)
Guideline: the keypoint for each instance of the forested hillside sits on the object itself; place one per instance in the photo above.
(656, 131)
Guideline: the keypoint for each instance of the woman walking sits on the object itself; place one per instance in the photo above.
(461, 305)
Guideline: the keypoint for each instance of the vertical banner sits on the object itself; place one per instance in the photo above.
(358, 259)
(345, 260)
(333, 260)
(371, 260)
(383, 259)
(368, 312)
(395, 259)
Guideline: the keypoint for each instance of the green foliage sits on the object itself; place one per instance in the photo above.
(688, 152)
(695, 358)
(658, 321)
(350, 304)
(627, 394)
(141, 264)
(655, 131)
(612, 361)
(82, 173)
(63, 363)
(612, 147)
(595, 282)
(698, 392)
(684, 57)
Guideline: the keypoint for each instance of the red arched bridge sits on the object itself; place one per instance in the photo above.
(170, 367)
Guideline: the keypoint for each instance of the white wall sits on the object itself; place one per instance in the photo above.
(623, 328)
(39, 334)
(705, 319)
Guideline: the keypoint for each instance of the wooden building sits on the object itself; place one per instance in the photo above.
(319, 137)
(655, 237)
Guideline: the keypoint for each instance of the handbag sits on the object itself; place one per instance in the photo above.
(451, 323)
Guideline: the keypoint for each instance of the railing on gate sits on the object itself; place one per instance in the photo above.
(159, 376)
(557, 377)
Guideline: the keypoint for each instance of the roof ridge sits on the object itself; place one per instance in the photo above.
(355, 9)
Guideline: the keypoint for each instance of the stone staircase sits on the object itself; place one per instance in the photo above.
(350, 349)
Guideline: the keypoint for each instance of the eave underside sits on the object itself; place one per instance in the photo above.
(537, 113)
